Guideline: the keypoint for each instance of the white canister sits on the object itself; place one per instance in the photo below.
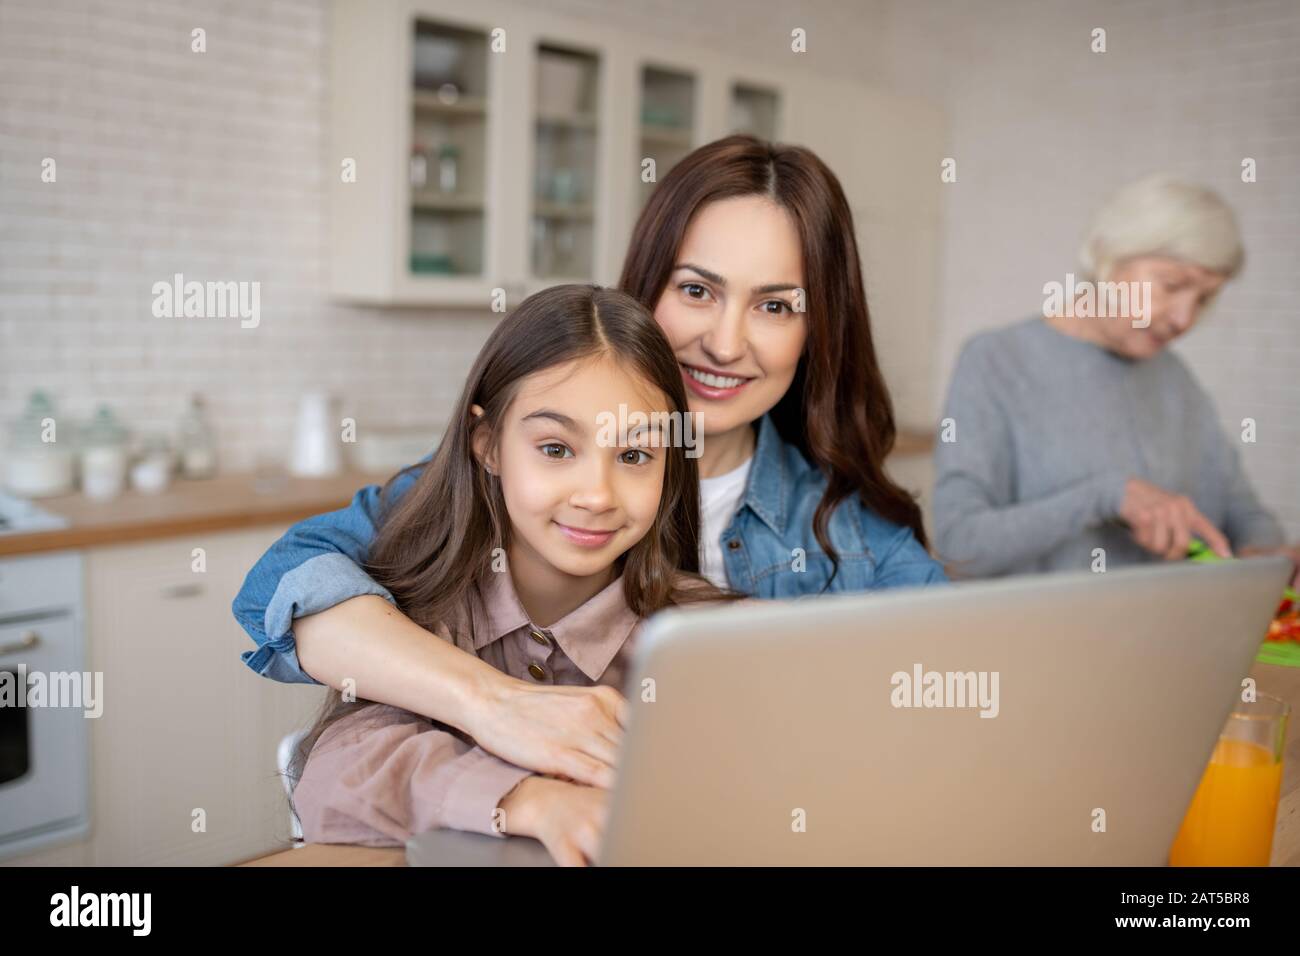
(152, 473)
(40, 472)
(316, 438)
(103, 471)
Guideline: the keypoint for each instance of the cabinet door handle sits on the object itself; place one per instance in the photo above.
(29, 640)
(182, 590)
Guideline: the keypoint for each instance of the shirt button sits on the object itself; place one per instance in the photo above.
(734, 544)
(538, 671)
(540, 638)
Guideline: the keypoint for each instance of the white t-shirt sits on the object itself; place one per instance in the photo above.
(719, 501)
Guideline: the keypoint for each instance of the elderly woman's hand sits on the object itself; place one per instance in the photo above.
(1165, 523)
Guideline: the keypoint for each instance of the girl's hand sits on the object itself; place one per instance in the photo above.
(570, 732)
(568, 818)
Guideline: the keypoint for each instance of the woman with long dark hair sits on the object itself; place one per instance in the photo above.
(746, 256)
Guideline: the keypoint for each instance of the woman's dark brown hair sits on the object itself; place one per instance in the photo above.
(837, 411)
(434, 546)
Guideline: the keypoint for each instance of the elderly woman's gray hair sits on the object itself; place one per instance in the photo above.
(1162, 216)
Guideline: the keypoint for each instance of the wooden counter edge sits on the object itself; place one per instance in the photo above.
(63, 539)
(332, 854)
(227, 503)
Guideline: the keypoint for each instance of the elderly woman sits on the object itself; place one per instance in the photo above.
(1081, 430)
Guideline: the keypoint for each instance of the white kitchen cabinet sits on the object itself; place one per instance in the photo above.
(186, 725)
(385, 229)
(530, 204)
(552, 132)
(548, 118)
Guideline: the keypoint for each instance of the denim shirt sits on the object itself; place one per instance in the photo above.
(769, 551)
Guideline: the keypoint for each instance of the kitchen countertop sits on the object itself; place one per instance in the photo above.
(1272, 679)
(225, 502)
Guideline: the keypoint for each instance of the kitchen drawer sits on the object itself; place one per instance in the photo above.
(39, 582)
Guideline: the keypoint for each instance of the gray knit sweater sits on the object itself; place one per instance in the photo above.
(1047, 430)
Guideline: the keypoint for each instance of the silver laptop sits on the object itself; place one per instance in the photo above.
(1059, 719)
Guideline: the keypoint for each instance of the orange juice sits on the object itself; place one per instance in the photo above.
(1231, 819)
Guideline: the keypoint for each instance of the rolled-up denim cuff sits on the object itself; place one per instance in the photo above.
(278, 663)
(317, 585)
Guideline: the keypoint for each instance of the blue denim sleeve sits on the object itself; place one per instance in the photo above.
(900, 559)
(314, 566)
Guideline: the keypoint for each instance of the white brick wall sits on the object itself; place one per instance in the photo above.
(205, 164)
(1043, 129)
(212, 165)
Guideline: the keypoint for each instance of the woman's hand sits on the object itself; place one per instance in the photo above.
(1164, 523)
(569, 732)
(568, 818)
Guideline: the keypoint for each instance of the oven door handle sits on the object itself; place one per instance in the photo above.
(25, 643)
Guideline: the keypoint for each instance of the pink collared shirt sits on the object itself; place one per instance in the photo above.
(381, 774)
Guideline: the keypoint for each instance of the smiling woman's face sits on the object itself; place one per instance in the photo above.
(728, 310)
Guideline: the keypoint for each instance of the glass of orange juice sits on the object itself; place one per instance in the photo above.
(1231, 819)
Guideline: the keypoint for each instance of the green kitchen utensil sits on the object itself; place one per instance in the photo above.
(1201, 552)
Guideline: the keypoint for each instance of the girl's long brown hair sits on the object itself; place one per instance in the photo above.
(435, 543)
(837, 411)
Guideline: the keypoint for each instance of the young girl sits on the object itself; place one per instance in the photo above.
(747, 257)
(535, 543)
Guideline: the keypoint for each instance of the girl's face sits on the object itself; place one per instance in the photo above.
(578, 500)
(729, 310)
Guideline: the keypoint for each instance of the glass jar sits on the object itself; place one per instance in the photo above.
(36, 464)
(152, 471)
(196, 443)
(448, 169)
(103, 456)
(419, 168)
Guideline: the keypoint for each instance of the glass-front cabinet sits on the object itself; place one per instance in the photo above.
(449, 116)
(754, 110)
(667, 124)
(565, 149)
(484, 147)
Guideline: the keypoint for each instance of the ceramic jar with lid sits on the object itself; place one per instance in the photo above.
(40, 460)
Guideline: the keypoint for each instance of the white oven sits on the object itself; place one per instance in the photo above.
(44, 778)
